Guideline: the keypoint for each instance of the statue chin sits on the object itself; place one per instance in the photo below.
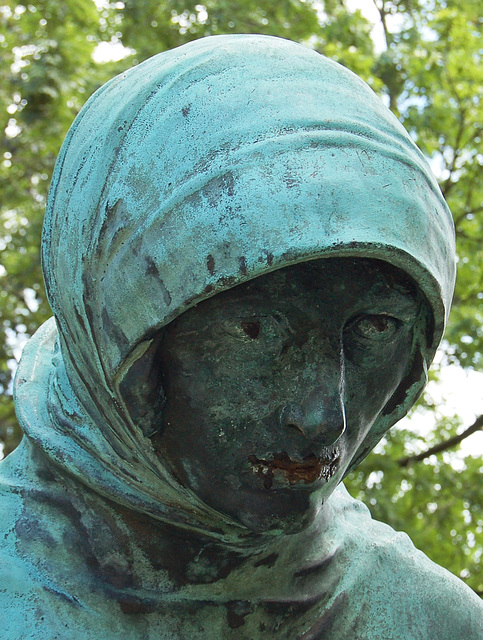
(283, 517)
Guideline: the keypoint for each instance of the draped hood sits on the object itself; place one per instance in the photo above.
(195, 171)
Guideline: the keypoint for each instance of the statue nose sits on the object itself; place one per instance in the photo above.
(319, 417)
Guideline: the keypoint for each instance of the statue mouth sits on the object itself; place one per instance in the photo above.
(309, 470)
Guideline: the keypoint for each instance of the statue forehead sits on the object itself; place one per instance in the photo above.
(336, 287)
(332, 275)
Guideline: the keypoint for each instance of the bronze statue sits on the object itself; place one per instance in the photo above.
(250, 266)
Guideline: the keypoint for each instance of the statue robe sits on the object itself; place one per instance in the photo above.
(73, 568)
(78, 565)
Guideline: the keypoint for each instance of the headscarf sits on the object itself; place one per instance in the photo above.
(200, 169)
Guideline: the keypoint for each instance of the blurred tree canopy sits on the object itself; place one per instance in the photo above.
(428, 68)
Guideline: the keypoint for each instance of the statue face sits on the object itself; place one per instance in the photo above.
(272, 386)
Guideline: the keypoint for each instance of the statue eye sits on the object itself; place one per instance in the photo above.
(251, 329)
(375, 327)
(268, 331)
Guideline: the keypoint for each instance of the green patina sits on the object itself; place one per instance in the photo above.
(202, 169)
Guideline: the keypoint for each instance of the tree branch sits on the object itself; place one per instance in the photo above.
(462, 234)
(457, 146)
(382, 14)
(443, 446)
(463, 215)
(448, 184)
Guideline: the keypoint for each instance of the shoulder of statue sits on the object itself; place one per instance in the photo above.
(400, 589)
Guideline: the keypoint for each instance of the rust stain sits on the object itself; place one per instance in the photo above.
(210, 263)
(308, 470)
(243, 265)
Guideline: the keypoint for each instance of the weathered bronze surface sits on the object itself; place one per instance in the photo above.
(273, 385)
(250, 266)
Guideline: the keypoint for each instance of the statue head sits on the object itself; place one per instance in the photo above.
(250, 266)
(273, 385)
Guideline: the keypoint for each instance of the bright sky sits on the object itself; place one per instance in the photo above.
(369, 11)
(459, 393)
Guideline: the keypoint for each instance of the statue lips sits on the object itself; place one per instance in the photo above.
(308, 471)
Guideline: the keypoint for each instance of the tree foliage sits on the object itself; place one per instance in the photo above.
(428, 70)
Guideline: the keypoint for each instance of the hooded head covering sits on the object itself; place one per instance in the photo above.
(198, 170)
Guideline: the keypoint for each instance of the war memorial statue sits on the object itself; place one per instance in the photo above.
(250, 266)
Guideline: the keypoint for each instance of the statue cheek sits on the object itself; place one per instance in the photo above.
(368, 391)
